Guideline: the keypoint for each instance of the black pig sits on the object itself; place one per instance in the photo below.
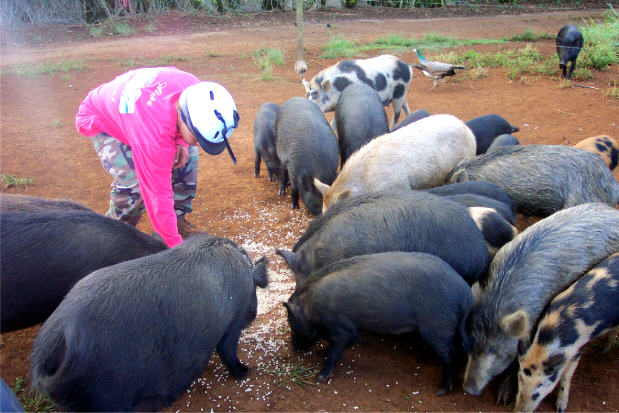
(413, 117)
(45, 253)
(486, 128)
(386, 293)
(264, 140)
(502, 140)
(134, 335)
(307, 149)
(485, 189)
(392, 221)
(26, 203)
(569, 42)
(360, 117)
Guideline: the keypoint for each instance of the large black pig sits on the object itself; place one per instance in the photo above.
(392, 221)
(45, 253)
(132, 336)
(386, 293)
(264, 140)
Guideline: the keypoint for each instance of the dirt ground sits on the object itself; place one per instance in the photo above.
(381, 373)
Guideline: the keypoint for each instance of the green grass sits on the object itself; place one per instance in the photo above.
(31, 400)
(15, 181)
(339, 47)
(266, 58)
(51, 68)
(530, 36)
(132, 62)
(601, 42)
(294, 373)
(113, 27)
(612, 93)
(56, 124)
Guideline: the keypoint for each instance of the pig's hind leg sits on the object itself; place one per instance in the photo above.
(227, 347)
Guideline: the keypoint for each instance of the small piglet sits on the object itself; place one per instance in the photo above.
(385, 293)
(603, 145)
(569, 42)
(587, 309)
(264, 140)
(134, 335)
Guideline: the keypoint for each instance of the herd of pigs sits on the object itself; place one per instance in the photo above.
(414, 233)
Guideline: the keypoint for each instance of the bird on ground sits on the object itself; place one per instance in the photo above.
(435, 70)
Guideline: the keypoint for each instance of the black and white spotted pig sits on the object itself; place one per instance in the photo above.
(390, 76)
(264, 140)
(587, 309)
(603, 145)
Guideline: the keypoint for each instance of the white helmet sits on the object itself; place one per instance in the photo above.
(210, 114)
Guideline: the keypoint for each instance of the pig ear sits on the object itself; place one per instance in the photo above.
(344, 195)
(523, 346)
(477, 290)
(460, 176)
(261, 278)
(325, 84)
(306, 85)
(323, 188)
(294, 261)
(516, 324)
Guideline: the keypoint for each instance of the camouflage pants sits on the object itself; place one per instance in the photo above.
(126, 203)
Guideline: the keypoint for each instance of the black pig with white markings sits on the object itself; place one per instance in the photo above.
(474, 200)
(307, 149)
(524, 276)
(360, 117)
(569, 42)
(497, 231)
(134, 335)
(390, 76)
(486, 128)
(264, 140)
(392, 221)
(386, 293)
(45, 253)
(587, 309)
(543, 179)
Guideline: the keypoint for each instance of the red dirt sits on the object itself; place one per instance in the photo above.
(381, 373)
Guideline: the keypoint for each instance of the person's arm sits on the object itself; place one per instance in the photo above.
(153, 166)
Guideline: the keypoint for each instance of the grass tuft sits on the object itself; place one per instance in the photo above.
(51, 68)
(10, 181)
(295, 373)
(31, 400)
(266, 58)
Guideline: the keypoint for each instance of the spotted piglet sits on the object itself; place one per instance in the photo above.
(390, 76)
(587, 309)
(603, 145)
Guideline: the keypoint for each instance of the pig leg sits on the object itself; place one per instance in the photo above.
(508, 388)
(333, 124)
(272, 175)
(340, 337)
(257, 165)
(444, 349)
(283, 180)
(226, 348)
(563, 394)
(610, 340)
(571, 71)
(294, 193)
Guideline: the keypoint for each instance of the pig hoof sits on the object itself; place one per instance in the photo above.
(240, 371)
(281, 192)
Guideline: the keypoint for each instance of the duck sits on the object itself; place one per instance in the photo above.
(435, 70)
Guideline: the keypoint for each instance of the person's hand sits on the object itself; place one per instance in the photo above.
(182, 154)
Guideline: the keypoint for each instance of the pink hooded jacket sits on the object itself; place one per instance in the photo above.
(138, 109)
